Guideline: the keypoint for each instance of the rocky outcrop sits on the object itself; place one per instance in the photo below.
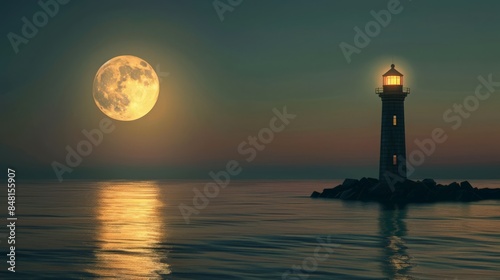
(408, 191)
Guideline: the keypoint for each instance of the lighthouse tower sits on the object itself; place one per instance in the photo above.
(392, 143)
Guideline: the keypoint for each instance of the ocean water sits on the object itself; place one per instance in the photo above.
(250, 230)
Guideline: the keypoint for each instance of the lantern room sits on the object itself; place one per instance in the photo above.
(392, 77)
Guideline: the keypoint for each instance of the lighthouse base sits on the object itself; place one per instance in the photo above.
(408, 191)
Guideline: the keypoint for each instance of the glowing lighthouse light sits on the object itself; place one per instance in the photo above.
(392, 77)
(392, 80)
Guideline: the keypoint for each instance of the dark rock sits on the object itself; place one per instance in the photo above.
(408, 191)
(363, 192)
(329, 193)
(467, 195)
(315, 194)
(368, 181)
(379, 192)
(445, 193)
(348, 195)
(349, 182)
(342, 187)
(363, 186)
(466, 185)
(429, 182)
(418, 193)
(489, 193)
(335, 191)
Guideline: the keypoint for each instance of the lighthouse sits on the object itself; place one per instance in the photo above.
(392, 141)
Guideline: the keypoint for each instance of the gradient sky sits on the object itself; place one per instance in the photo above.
(225, 77)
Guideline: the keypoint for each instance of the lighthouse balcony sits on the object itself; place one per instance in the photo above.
(392, 90)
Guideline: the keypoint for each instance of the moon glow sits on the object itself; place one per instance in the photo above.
(126, 88)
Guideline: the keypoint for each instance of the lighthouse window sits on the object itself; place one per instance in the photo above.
(394, 160)
(394, 120)
(392, 80)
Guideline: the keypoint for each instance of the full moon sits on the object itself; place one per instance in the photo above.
(126, 88)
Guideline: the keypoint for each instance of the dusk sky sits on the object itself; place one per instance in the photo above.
(226, 76)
